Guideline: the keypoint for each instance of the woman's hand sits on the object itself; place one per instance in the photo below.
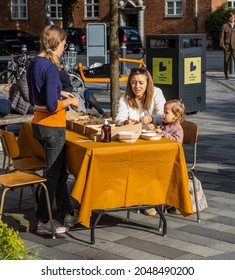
(146, 119)
(151, 126)
(130, 121)
(66, 94)
(75, 102)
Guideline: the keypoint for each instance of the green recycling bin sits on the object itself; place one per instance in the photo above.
(177, 63)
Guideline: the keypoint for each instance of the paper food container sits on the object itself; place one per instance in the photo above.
(87, 130)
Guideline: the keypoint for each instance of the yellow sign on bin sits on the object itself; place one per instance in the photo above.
(192, 70)
(162, 71)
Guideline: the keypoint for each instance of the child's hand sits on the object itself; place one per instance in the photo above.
(158, 130)
(151, 126)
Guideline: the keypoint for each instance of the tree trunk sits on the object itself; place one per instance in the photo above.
(114, 55)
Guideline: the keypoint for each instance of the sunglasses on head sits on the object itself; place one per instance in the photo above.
(140, 70)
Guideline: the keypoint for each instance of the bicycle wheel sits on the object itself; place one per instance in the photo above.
(7, 77)
(76, 81)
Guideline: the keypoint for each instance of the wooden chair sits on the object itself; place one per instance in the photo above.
(191, 138)
(11, 152)
(13, 160)
(22, 179)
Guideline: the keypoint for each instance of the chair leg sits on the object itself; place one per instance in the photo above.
(195, 196)
(2, 201)
(49, 210)
(160, 221)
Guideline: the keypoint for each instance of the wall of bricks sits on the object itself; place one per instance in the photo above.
(155, 21)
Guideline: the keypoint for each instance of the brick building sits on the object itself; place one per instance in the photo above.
(148, 16)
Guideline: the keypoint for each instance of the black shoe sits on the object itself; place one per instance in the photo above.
(104, 115)
(226, 77)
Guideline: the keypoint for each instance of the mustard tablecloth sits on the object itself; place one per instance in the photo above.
(115, 174)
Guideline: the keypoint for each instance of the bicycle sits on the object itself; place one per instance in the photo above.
(16, 67)
(69, 64)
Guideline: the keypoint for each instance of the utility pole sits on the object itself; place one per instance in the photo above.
(47, 12)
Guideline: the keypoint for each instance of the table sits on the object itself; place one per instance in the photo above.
(116, 174)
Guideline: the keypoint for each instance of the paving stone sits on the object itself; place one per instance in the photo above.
(213, 238)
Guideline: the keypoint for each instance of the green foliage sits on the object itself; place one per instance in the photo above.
(11, 246)
(214, 22)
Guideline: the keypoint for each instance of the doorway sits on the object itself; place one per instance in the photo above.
(131, 20)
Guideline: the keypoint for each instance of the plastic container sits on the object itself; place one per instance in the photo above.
(106, 132)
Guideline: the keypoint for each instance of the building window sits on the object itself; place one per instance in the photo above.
(19, 9)
(174, 8)
(56, 9)
(231, 4)
(92, 8)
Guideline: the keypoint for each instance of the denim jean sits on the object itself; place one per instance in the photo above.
(5, 107)
(52, 140)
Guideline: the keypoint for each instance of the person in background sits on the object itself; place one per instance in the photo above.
(5, 105)
(86, 94)
(49, 126)
(174, 114)
(142, 102)
(20, 97)
(227, 42)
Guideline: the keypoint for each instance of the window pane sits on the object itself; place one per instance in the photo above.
(179, 9)
(170, 8)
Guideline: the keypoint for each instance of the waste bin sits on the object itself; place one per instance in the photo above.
(177, 63)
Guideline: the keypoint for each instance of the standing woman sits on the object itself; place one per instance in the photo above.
(49, 126)
(142, 101)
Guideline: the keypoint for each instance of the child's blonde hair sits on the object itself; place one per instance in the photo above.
(178, 109)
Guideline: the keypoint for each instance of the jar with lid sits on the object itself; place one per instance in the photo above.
(106, 132)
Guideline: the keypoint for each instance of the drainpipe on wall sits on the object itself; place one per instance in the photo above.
(196, 16)
(47, 12)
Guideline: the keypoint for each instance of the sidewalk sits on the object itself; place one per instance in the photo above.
(213, 238)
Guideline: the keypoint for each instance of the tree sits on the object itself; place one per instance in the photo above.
(214, 22)
(114, 56)
(67, 11)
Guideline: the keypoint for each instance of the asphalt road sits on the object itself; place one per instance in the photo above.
(214, 60)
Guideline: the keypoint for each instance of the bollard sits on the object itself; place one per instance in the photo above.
(123, 55)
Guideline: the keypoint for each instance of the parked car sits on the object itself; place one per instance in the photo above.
(11, 41)
(77, 37)
(130, 36)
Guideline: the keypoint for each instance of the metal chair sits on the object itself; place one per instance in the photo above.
(191, 138)
(22, 179)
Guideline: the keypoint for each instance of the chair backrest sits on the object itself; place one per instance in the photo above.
(190, 132)
(191, 137)
(10, 145)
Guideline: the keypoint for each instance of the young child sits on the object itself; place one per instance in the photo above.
(174, 113)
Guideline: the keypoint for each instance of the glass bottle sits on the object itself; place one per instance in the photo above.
(106, 132)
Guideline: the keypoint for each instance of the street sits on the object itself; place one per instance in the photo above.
(214, 60)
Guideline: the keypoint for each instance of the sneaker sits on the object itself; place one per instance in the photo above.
(150, 212)
(70, 220)
(45, 228)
